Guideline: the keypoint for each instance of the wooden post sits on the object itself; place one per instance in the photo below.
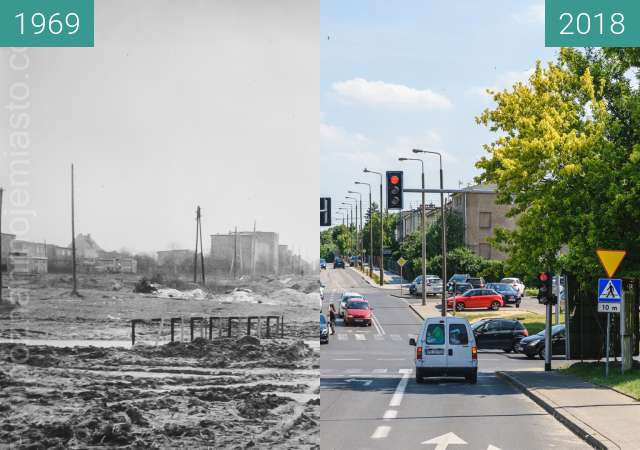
(74, 291)
(195, 253)
(201, 247)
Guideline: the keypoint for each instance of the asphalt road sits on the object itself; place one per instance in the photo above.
(370, 400)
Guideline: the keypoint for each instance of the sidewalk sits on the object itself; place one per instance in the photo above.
(601, 416)
(391, 280)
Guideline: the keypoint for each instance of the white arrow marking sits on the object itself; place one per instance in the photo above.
(442, 442)
(364, 382)
(493, 447)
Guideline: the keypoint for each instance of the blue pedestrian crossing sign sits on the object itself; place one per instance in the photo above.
(609, 294)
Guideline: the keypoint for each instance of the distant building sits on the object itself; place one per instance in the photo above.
(482, 215)
(28, 258)
(86, 247)
(245, 253)
(172, 256)
(60, 259)
(7, 240)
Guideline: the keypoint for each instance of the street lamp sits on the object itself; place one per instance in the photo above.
(361, 225)
(356, 204)
(423, 235)
(381, 228)
(350, 205)
(370, 231)
(341, 214)
(444, 230)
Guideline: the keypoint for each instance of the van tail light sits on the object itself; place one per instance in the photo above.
(474, 352)
(418, 352)
(525, 333)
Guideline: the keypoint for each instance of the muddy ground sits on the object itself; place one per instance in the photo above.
(238, 392)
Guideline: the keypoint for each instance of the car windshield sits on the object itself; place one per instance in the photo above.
(322, 261)
(500, 287)
(418, 279)
(323, 319)
(358, 305)
(509, 280)
(476, 325)
(554, 330)
(471, 293)
(458, 278)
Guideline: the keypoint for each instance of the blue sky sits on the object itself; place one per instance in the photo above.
(401, 75)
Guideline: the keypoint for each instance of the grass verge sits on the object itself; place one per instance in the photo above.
(593, 372)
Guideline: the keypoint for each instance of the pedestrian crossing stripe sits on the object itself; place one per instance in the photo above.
(368, 336)
(609, 290)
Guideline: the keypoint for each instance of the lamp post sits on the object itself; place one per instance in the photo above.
(360, 244)
(350, 205)
(357, 240)
(339, 213)
(444, 230)
(370, 230)
(381, 228)
(423, 236)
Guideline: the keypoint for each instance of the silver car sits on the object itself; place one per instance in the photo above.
(433, 285)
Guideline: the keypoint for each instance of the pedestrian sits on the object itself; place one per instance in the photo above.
(332, 318)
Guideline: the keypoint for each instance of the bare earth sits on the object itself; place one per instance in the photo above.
(238, 392)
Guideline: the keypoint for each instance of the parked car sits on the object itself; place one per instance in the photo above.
(498, 334)
(461, 288)
(323, 263)
(338, 263)
(509, 294)
(534, 345)
(433, 285)
(458, 278)
(358, 312)
(476, 298)
(344, 299)
(324, 330)
(477, 282)
(446, 347)
(354, 260)
(515, 283)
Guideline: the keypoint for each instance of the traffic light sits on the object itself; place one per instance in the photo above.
(325, 211)
(545, 289)
(394, 189)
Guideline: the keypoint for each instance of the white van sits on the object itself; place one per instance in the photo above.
(446, 347)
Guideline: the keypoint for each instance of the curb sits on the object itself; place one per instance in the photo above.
(415, 311)
(583, 431)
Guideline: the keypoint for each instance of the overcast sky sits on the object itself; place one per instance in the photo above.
(414, 74)
(180, 103)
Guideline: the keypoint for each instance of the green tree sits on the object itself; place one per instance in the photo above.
(566, 158)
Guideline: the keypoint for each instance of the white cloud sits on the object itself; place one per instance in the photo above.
(379, 93)
(503, 81)
(532, 14)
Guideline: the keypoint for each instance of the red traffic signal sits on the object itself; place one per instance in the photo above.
(394, 179)
(543, 276)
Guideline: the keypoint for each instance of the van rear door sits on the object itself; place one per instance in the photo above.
(459, 345)
(434, 351)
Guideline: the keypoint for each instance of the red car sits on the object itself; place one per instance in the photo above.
(358, 312)
(477, 298)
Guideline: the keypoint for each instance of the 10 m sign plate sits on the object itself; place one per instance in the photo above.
(609, 307)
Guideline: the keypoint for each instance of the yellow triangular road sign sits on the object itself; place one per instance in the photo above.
(610, 260)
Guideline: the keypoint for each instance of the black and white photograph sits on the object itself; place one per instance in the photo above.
(159, 252)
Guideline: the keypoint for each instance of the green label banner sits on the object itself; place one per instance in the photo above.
(592, 23)
(46, 23)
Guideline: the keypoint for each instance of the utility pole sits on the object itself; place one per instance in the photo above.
(235, 254)
(253, 250)
(195, 256)
(74, 291)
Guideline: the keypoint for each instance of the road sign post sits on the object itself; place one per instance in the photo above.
(401, 262)
(606, 367)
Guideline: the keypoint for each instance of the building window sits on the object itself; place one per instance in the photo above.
(485, 220)
(484, 250)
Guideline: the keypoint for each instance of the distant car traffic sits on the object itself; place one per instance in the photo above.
(342, 307)
(477, 282)
(476, 298)
(354, 260)
(324, 330)
(509, 294)
(534, 345)
(358, 312)
(323, 263)
(498, 334)
(338, 263)
(446, 347)
(461, 288)
(433, 285)
(515, 283)
(458, 278)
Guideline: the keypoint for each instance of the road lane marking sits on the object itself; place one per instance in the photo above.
(390, 359)
(390, 414)
(379, 370)
(396, 400)
(379, 325)
(360, 337)
(342, 337)
(396, 337)
(381, 432)
(347, 359)
(354, 370)
(378, 337)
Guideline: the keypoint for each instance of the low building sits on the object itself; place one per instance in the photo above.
(481, 216)
(60, 259)
(22, 264)
(168, 257)
(7, 241)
